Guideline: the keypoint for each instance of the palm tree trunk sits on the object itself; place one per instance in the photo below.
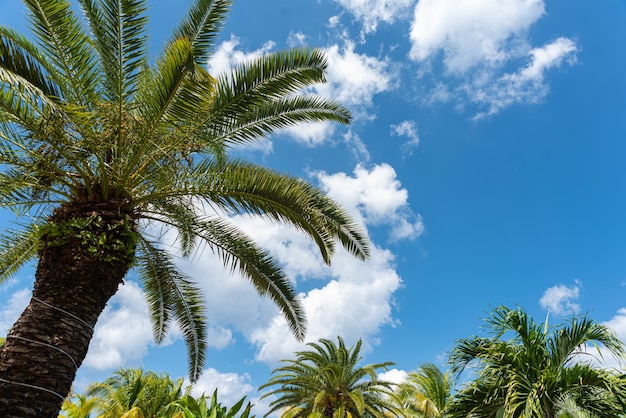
(47, 344)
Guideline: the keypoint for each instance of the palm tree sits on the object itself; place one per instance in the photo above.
(528, 374)
(191, 407)
(133, 392)
(426, 393)
(78, 406)
(327, 382)
(97, 142)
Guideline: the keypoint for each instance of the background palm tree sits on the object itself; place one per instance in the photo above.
(78, 406)
(198, 408)
(133, 392)
(526, 375)
(97, 143)
(427, 392)
(327, 382)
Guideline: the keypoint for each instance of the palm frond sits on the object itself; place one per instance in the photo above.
(171, 295)
(119, 28)
(239, 253)
(20, 57)
(17, 247)
(202, 25)
(243, 187)
(67, 46)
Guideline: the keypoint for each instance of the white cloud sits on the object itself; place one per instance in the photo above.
(479, 42)
(365, 287)
(373, 197)
(526, 85)
(372, 12)
(408, 129)
(231, 387)
(357, 146)
(354, 79)
(13, 309)
(227, 56)
(123, 331)
(561, 300)
(469, 33)
(377, 197)
(395, 376)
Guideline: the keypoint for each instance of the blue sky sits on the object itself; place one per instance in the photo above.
(485, 160)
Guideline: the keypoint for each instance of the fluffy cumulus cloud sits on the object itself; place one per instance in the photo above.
(377, 196)
(372, 12)
(355, 304)
(478, 42)
(231, 387)
(123, 331)
(561, 300)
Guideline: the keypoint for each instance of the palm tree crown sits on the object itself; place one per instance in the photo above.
(527, 375)
(97, 142)
(426, 393)
(327, 382)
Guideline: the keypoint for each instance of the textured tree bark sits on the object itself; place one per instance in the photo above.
(47, 344)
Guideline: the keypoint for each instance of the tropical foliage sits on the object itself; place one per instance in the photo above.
(98, 143)
(537, 369)
(426, 393)
(133, 392)
(193, 408)
(327, 381)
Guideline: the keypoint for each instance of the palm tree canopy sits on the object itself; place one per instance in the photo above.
(327, 381)
(98, 142)
(526, 375)
(427, 392)
(134, 392)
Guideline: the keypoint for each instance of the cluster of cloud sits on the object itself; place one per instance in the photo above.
(483, 47)
(561, 300)
(373, 12)
(478, 42)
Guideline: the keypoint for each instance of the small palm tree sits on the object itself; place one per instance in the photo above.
(327, 382)
(426, 393)
(133, 393)
(526, 375)
(98, 142)
(191, 407)
(78, 406)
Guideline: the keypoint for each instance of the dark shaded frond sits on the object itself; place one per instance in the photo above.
(248, 188)
(20, 57)
(172, 295)
(237, 124)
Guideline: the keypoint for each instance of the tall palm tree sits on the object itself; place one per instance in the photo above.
(97, 142)
(527, 374)
(133, 392)
(426, 393)
(328, 382)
